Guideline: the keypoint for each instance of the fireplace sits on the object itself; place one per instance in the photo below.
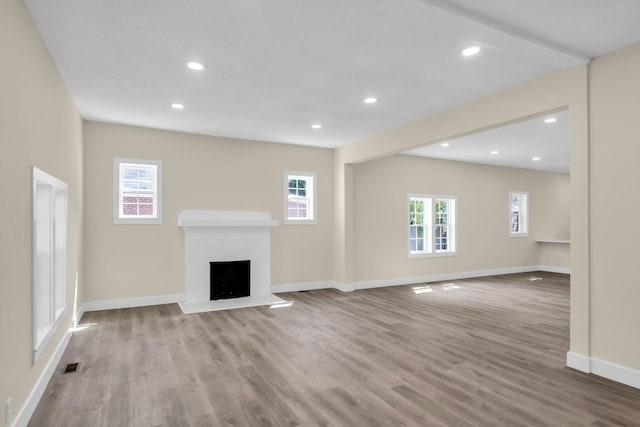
(226, 237)
(229, 279)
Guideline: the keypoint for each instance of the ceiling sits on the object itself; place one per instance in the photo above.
(275, 67)
(515, 145)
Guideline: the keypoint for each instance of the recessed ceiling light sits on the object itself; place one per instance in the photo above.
(444, 144)
(470, 51)
(495, 152)
(370, 100)
(316, 126)
(177, 106)
(196, 66)
(550, 120)
(535, 159)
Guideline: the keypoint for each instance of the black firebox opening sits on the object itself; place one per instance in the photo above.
(229, 279)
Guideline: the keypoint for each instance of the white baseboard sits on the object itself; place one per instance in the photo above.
(112, 304)
(369, 284)
(578, 362)
(306, 286)
(445, 276)
(23, 417)
(78, 317)
(621, 374)
(344, 287)
(555, 269)
(601, 368)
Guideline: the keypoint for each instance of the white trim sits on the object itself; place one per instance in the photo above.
(314, 198)
(524, 222)
(349, 287)
(130, 302)
(157, 219)
(430, 224)
(611, 371)
(55, 284)
(555, 269)
(560, 241)
(344, 287)
(193, 218)
(24, 416)
(621, 374)
(444, 276)
(305, 286)
(578, 362)
(431, 254)
(78, 317)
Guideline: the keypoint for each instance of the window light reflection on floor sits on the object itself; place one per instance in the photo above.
(422, 289)
(82, 327)
(426, 288)
(282, 304)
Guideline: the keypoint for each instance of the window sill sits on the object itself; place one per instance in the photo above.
(299, 222)
(139, 221)
(433, 255)
(518, 234)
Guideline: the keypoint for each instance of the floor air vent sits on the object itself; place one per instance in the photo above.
(71, 367)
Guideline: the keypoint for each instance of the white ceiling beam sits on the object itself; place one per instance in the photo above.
(511, 30)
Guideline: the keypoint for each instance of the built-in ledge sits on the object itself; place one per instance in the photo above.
(559, 241)
(212, 236)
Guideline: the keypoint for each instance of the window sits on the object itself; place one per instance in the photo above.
(49, 257)
(137, 191)
(518, 214)
(432, 222)
(300, 197)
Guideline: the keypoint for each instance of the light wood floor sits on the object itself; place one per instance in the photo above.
(484, 352)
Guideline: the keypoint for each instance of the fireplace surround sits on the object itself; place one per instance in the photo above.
(226, 236)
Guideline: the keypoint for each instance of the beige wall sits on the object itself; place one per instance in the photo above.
(381, 187)
(200, 172)
(556, 255)
(39, 126)
(615, 230)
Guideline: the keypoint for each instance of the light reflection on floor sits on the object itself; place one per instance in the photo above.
(424, 289)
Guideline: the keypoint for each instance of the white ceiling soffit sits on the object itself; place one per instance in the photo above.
(515, 145)
(275, 67)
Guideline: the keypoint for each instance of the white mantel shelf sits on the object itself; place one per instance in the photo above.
(203, 218)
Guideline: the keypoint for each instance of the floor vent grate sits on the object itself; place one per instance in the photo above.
(71, 367)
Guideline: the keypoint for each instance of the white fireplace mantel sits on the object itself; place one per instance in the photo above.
(212, 236)
(201, 218)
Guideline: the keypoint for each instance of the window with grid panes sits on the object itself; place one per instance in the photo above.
(300, 198)
(518, 212)
(431, 225)
(137, 191)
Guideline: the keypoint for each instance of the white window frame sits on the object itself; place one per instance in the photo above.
(118, 188)
(524, 214)
(49, 252)
(430, 216)
(312, 197)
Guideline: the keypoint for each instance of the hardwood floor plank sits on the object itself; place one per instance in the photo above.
(477, 352)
